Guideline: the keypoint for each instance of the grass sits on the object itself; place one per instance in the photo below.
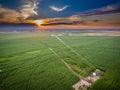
(24, 68)
(104, 53)
(26, 63)
(101, 51)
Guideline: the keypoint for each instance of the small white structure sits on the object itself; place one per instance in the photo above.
(94, 74)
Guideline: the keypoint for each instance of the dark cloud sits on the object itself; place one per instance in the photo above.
(102, 19)
(64, 21)
(96, 20)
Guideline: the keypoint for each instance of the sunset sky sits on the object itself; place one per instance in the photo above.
(61, 13)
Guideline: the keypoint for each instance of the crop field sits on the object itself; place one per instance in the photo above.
(33, 60)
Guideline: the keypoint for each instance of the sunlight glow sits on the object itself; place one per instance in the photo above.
(39, 22)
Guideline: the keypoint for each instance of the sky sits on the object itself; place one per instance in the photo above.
(61, 13)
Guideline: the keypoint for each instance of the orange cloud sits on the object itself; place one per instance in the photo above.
(77, 21)
(12, 16)
(9, 15)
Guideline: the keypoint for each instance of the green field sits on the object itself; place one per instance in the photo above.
(26, 62)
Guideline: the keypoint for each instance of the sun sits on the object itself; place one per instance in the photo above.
(39, 22)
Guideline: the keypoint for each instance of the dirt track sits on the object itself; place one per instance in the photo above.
(84, 82)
